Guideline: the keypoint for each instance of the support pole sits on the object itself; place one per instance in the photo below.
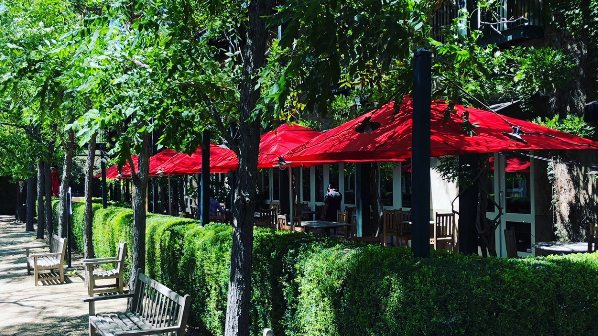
(362, 199)
(205, 179)
(420, 156)
(69, 225)
(291, 201)
(104, 185)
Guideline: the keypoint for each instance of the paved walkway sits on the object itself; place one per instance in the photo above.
(48, 309)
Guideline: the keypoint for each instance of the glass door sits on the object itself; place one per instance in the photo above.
(514, 182)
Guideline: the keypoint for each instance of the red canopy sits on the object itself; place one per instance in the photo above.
(157, 160)
(392, 140)
(280, 141)
(222, 160)
(112, 171)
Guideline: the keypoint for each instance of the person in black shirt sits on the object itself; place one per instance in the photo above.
(332, 203)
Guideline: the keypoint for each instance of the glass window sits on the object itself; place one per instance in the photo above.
(517, 184)
(406, 184)
(349, 194)
(266, 182)
(275, 183)
(523, 234)
(333, 174)
(320, 184)
(306, 180)
(386, 183)
(490, 184)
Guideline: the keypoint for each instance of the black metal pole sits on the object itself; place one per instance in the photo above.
(420, 156)
(69, 225)
(104, 185)
(205, 179)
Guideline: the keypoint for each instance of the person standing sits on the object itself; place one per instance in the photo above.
(332, 203)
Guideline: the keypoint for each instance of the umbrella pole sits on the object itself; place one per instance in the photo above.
(169, 198)
(291, 196)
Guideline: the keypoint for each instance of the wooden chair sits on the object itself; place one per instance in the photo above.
(403, 219)
(116, 274)
(445, 230)
(390, 230)
(47, 260)
(282, 223)
(319, 211)
(592, 238)
(511, 243)
(267, 218)
(342, 217)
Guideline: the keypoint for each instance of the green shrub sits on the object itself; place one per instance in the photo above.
(304, 284)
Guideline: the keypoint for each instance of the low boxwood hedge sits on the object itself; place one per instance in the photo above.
(310, 285)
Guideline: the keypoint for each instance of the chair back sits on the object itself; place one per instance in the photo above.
(511, 243)
(389, 221)
(282, 223)
(122, 252)
(319, 211)
(445, 225)
(267, 218)
(403, 218)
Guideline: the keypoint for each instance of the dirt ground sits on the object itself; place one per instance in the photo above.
(48, 309)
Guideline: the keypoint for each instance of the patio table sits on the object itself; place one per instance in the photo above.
(326, 225)
(554, 247)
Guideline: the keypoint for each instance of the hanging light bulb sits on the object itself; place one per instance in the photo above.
(515, 134)
(367, 126)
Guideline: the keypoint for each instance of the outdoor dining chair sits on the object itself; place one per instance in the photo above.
(445, 231)
(282, 223)
(592, 238)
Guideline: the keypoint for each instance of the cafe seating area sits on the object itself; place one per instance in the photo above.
(395, 232)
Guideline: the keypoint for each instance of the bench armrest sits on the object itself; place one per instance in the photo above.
(27, 249)
(37, 255)
(107, 297)
(149, 331)
(100, 261)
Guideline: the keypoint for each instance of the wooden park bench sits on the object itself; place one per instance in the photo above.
(47, 260)
(156, 310)
(117, 273)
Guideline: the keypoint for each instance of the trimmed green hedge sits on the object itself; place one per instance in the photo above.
(310, 285)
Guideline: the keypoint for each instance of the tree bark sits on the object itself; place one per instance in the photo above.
(140, 180)
(48, 200)
(30, 203)
(64, 185)
(89, 164)
(247, 143)
(40, 200)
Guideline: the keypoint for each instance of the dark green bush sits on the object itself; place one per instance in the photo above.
(309, 285)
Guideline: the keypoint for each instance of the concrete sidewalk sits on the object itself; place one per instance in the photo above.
(48, 309)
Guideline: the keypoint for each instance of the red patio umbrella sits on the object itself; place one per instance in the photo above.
(113, 173)
(222, 160)
(391, 141)
(280, 141)
(514, 165)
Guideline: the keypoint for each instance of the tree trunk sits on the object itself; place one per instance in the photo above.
(64, 185)
(140, 179)
(30, 203)
(87, 238)
(40, 200)
(48, 199)
(247, 140)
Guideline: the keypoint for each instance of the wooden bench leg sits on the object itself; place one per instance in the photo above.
(61, 273)
(36, 275)
(92, 328)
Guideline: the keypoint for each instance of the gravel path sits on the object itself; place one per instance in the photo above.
(48, 309)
